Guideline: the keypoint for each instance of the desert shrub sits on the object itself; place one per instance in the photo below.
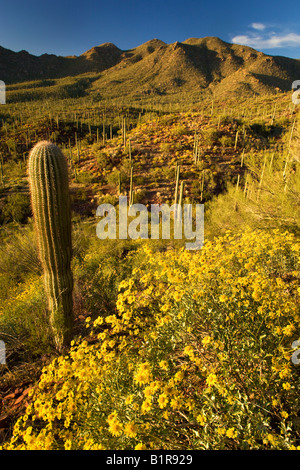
(108, 199)
(80, 195)
(178, 130)
(139, 180)
(24, 322)
(104, 160)
(166, 147)
(73, 90)
(140, 196)
(24, 319)
(226, 141)
(98, 272)
(197, 355)
(84, 177)
(14, 171)
(18, 256)
(17, 208)
(115, 176)
(210, 136)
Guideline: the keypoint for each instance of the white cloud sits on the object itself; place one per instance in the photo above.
(268, 41)
(258, 26)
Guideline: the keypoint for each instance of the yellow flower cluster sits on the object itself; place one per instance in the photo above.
(197, 356)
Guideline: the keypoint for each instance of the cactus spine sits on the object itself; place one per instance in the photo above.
(49, 187)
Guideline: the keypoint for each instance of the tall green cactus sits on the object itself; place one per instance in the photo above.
(49, 186)
(177, 183)
(131, 187)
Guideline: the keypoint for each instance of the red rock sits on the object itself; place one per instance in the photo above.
(26, 391)
(18, 400)
(10, 396)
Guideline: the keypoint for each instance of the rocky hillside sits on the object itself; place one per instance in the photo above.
(207, 66)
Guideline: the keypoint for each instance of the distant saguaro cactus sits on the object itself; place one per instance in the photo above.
(49, 186)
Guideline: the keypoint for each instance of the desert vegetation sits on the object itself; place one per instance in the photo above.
(170, 348)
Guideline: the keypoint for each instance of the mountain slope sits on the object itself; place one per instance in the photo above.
(197, 66)
(22, 66)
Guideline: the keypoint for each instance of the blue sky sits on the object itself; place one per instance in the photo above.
(72, 27)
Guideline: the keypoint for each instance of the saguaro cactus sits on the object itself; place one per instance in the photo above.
(49, 186)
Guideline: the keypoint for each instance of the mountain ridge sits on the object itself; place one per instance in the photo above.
(196, 65)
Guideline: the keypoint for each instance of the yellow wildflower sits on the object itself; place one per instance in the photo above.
(130, 429)
(115, 427)
(211, 379)
(286, 386)
(231, 433)
(143, 375)
(201, 419)
(163, 365)
(163, 400)
(206, 340)
(140, 446)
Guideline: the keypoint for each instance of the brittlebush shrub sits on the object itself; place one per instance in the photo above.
(198, 356)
